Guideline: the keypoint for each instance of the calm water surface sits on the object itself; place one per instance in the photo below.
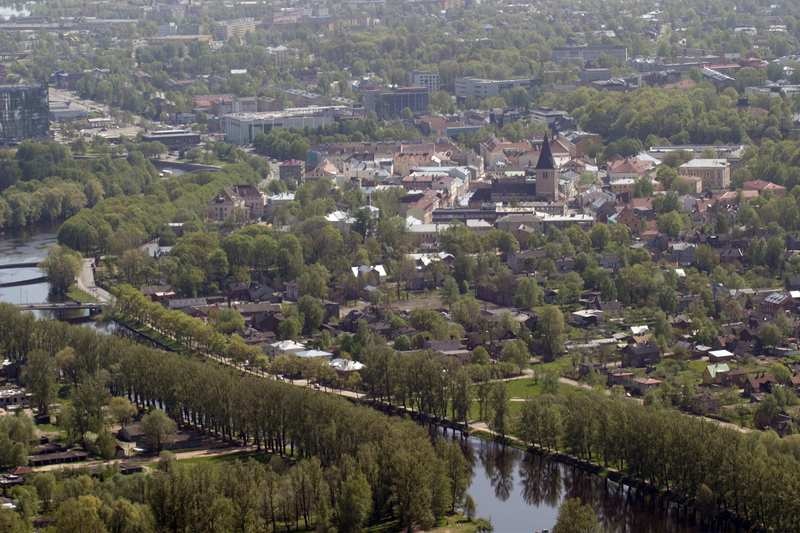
(521, 493)
(24, 247)
(28, 247)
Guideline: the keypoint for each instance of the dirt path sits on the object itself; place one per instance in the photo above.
(141, 460)
(85, 282)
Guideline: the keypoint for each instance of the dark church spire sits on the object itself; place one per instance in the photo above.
(546, 161)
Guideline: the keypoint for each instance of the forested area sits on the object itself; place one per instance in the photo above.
(247, 497)
(44, 183)
(117, 224)
(755, 475)
(655, 116)
(392, 462)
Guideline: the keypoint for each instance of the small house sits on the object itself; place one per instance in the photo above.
(716, 374)
(719, 356)
(642, 386)
(641, 355)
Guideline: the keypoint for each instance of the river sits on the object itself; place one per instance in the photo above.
(31, 246)
(25, 247)
(521, 492)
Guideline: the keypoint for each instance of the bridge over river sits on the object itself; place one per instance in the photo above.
(92, 307)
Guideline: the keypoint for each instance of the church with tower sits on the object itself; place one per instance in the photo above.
(539, 183)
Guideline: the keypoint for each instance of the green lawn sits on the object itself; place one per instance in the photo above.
(523, 388)
(261, 457)
(80, 296)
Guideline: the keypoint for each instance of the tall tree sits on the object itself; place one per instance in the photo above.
(354, 504)
(158, 428)
(576, 517)
(39, 375)
(551, 327)
(62, 266)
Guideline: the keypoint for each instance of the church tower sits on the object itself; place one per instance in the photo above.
(546, 174)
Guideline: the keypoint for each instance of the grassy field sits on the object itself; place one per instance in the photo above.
(80, 296)
(524, 388)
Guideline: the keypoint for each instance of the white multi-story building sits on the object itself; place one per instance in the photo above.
(242, 128)
(481, 88)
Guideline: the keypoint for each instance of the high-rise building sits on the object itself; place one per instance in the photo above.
(24, 112)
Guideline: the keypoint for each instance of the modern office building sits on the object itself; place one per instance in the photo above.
(242, 128)
(390, 103)
(424, 78)
(173, 139)
(24, 112)
(589, 54)
(481, 88)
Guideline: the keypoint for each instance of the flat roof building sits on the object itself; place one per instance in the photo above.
(424, 78)
(715, 173)
(173, 138)
(391, 103)
(242, 128)
(482, 88)
(589, 54)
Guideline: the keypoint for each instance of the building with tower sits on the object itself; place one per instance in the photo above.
(546, 174)
(538, 183)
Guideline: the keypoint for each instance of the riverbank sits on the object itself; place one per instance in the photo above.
(663, 502)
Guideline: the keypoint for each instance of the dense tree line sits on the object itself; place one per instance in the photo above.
(42, 182)
(406, 477)
(124, 222)
(656, 116)
(190, 334)
(756, 476)
(250, 496)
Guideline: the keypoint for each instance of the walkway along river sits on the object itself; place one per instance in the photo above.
(522, 491)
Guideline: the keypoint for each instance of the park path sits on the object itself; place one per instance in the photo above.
(86, 283)
(205, 453)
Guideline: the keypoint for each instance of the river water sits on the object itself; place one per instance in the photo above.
(24, 247)
(521, 492)
(31, 246)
